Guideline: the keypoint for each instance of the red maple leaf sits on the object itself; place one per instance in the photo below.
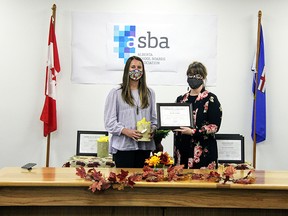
(122, 176)
(96, 175)
(136, 177)
(96, 186)
(81, 172)
(130, 182)
(197, 176)
(147, 168)
(112, 177)
(175, 172)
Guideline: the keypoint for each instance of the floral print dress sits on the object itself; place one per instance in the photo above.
(200, 149)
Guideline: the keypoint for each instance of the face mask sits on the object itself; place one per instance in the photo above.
(135, 74)
(194, 83)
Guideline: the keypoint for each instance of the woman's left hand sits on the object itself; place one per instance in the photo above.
(152, 132)
(185, 130)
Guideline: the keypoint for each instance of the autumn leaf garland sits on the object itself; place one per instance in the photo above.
(149, 174)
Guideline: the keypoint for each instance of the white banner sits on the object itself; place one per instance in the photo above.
(167, 43)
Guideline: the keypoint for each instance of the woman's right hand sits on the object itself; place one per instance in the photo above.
(185, 130)
(133, 134)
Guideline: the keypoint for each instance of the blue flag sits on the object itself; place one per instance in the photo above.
(259, 105)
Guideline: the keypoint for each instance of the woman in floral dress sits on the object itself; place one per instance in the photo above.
(196, 147)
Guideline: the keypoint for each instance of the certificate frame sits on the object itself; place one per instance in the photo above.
(171, 116)
(230, 148)
(87, 142)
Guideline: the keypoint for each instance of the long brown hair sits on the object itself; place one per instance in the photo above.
(142, 86)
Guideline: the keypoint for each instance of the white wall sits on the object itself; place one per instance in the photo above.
(23, 52)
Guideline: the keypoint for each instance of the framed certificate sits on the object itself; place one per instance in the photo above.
(87, 142)
(230, 148)
(174, 115)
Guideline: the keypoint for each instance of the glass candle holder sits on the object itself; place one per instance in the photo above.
(102, 149)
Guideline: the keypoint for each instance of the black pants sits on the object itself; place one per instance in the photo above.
(131, 159)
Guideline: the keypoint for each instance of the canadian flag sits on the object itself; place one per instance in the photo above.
(49, 113)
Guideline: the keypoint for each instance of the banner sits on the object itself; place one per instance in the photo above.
(167, 43)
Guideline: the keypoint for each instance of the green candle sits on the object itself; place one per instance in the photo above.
(102, 149)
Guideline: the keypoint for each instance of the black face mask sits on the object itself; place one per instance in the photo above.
(194, 83)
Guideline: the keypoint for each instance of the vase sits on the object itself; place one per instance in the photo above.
(158, 145)
(159, 167)
(102, 149)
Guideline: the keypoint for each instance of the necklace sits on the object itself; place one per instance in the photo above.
(137, 105)
(137, 101)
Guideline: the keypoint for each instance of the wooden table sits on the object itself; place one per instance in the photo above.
(61, 191)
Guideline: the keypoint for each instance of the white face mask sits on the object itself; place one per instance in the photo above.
(135, 74)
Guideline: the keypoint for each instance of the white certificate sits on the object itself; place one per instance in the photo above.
(174, 115)
(87, 142)
(230, 148)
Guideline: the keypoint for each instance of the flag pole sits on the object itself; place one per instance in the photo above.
(48, 150)
(54, 14)
(48, 135)
(256, 87)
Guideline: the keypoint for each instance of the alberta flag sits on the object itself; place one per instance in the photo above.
(49, 115)
(259, 105)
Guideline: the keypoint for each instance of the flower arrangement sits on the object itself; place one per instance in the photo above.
(161, 134)
(158, 136)
(103, 139)
(159, 159)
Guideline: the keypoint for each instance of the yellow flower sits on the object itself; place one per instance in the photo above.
(159, 158)
(153, 161)
(103, 139)
(143, 122)
(170, 161)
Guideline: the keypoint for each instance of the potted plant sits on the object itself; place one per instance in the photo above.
(158, 136)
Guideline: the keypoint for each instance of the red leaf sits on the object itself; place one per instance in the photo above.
(131, 183)
(112, 177)
(95, 186)
(135, 177)
(96, 175)
(122, 175)
(81, 172)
